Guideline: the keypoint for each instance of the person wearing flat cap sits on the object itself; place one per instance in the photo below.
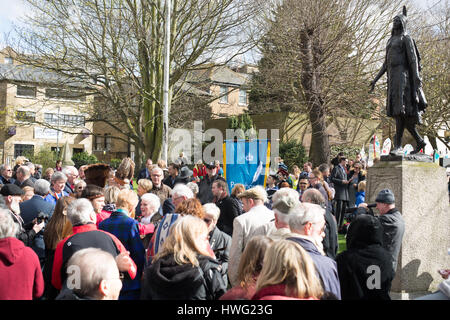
(256, 214)
(393, 224)
(26, 232)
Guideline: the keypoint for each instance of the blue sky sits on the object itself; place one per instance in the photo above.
(11, 10)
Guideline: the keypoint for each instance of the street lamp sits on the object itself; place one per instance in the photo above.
(165, 141)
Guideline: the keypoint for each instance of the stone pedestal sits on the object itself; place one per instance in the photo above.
(421, 194)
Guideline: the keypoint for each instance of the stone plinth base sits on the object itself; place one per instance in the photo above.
(421, 194)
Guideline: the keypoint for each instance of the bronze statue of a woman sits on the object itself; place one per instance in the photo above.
(405, 98)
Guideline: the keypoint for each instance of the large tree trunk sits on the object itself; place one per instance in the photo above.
(319, 151)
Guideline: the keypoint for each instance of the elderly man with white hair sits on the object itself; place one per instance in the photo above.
(307, 223)
(82, 216)
(72, 174)
(21, 276)
(256, 214)
(219, 241)
(95, 274)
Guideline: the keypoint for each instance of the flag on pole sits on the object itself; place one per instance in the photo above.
(246, 162)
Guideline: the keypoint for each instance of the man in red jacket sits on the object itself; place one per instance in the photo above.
(85, 235)
(20, 270)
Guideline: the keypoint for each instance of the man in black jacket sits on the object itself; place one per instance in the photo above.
(229, 207)
(205, 194)
(12, 197)
(173, 175)
(339, 179)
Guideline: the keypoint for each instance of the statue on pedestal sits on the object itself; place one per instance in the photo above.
(405, 98)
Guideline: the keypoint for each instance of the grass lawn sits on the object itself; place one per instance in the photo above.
(342, 243)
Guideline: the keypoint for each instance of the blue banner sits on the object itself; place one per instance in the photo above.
(246, 162)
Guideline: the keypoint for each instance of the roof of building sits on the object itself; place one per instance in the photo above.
(219, 74)
(24, 73)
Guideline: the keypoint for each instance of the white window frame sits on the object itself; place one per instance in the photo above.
(223, 97)
(246, 97)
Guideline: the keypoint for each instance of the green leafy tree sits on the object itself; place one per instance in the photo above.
(293, 153)
(82, 158)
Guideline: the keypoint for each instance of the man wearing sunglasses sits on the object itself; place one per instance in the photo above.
(6, 174)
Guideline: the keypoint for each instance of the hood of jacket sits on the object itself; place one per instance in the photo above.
(166, 276)
(365, 230)
(11, 250)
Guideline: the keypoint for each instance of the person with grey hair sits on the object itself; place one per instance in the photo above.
(307, 223)
(38, 208)
(160, 189)
(21, 276)
(58, 181)
(330, 240)
(71, 173)
(23, 177)
(282, 201)
(194, 188)
(150, 205)
(179, 193)
(219, 241)
(32, 168)
(95, 274)
(6, 174)
(85, 234)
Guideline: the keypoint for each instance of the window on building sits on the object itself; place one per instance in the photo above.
(103, 143)
(51, 118)
(8, 60)
(61, 94)
(77, 150)
(26, 91)
(26, 116)
(223, 94)
(64, 120)
(242, 97)
(98, 143)
(107, 142)
(23, 150)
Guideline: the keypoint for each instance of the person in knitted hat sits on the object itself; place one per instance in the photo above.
(393, 224)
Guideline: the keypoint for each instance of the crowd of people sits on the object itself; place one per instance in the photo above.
(86, 233)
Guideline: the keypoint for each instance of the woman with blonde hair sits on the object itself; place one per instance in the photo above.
(57, 229)
(184, 269)
(288, 273)
(250, 266)
(48, 174)
(28, 193)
